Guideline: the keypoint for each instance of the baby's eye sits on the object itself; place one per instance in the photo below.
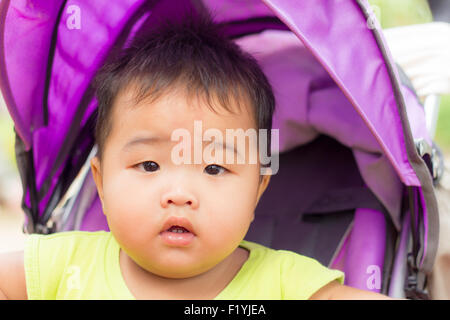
(149, 166)
(214, 169)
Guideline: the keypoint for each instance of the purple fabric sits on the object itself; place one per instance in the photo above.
(338, 261)
(226, 10)
(309, 104)
(416, 116)
(365, 252)
(361, 255)
(94, 218)
(77, 57)
(26, 61)
(318, 24)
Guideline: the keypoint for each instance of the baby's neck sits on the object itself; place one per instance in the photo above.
(145, 285)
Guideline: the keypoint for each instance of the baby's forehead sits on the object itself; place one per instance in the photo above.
(178, 105)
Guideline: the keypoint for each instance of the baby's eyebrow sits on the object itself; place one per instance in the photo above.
(149, 140)
(141, 141)
(226, 146)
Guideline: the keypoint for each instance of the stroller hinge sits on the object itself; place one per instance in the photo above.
(415, 281)
(432, 156)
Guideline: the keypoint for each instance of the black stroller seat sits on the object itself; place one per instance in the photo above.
(310, 203)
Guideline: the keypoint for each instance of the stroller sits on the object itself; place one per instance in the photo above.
(356, 164)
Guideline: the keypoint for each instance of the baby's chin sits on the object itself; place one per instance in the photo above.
(181, 275)
(174, 271)
(181, 263)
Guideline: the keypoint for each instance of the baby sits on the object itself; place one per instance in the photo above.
(177, 228)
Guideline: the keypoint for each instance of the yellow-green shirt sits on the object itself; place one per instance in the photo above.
(85, 265)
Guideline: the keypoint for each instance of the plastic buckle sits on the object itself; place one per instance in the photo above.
(431, 157)
(425, 152)
(415, 281)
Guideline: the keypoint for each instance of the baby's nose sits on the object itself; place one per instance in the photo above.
(179, 198)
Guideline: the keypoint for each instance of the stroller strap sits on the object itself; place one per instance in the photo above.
(345, 199)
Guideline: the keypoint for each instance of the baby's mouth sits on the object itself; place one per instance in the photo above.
(177, 229)
(177, 236)
(177, 225)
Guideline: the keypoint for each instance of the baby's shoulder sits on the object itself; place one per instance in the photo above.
(54, 260)
(299, 276)
(67, 244)
(69, 238)
(75, 234)
(278, 256)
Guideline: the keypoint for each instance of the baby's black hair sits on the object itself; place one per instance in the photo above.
(193, 53)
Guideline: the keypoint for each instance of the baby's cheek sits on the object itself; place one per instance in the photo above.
(234, 211)
(128, 208)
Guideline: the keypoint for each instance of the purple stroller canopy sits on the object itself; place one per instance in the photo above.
(51, 49)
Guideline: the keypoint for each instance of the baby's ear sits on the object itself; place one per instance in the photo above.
(97, 175)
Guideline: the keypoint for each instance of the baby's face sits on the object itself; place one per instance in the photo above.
(141, 187)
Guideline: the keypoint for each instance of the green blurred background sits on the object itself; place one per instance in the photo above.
(443, 126)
